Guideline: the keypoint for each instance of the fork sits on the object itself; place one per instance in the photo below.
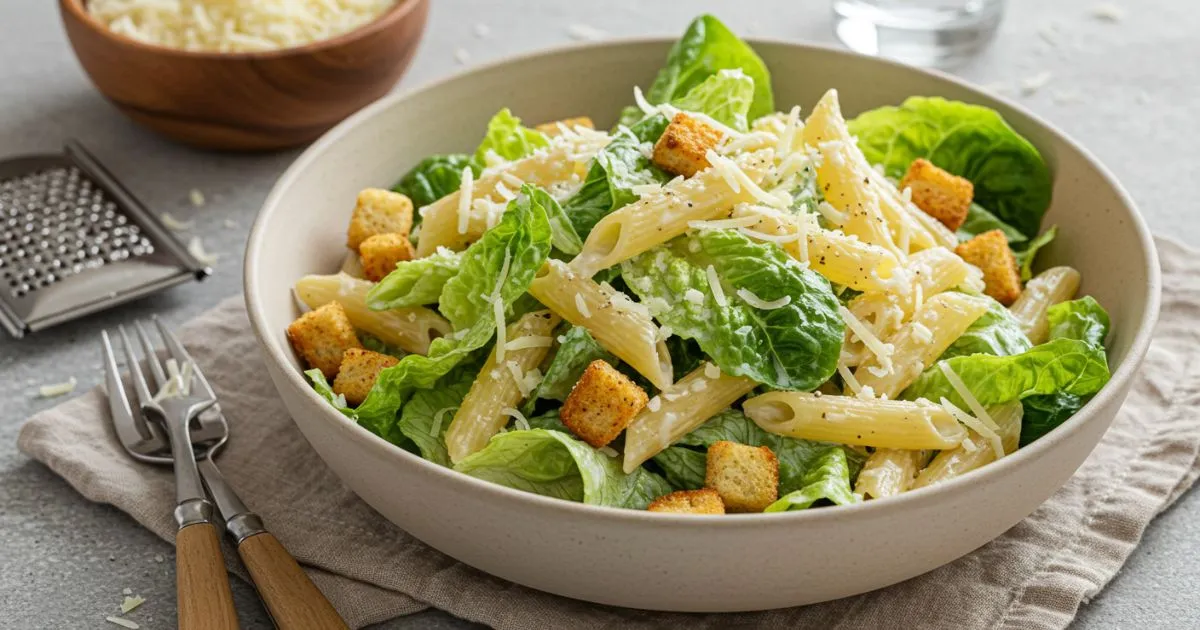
(292, 600)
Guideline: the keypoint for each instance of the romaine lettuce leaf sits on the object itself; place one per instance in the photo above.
(1011, 179)
(576, 351)
(683, 464)
(507, 257)
(550, 421)
(793, 347)
(415, 282)
(321, 385)
(375, 344)
(827, 478)
(726, 97)
(1059, 366)
(686, 355)
(616, 169)
(706, 48)
(979, 220)
(996, 332)
(552, 463)
(1083, 319)
(433, 178)
(563, 236)
(508, 139)
(1026, 255)
(426, 416)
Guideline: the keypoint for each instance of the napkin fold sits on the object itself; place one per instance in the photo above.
(1033, 576)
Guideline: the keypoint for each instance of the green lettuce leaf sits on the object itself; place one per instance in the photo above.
(726, 97)
(550, 421)
(686, 355)
(576, 351)
(1026, 255)
(321, 385)
(793, 347)
(828, 478)
(1058, 366)
(415, 282)
(996, 332)
(1011, 179)
(426, 416)
(433, 178)
(522, 239)
(375, 344)
(508, 139)
(979, 220)
(616, 169)
(552, 463)
(563, 236)
(706, 48)
(1083, 319)
(683, 464)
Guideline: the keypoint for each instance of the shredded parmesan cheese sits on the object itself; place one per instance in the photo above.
(465, 189)
(196, 249)
(608, 451)
(759, 303)
(174, 224)
(882, 351)
(712, 371)
(848, 378)
(129, 603)
(194, 195)
(124, 623)
(528, 341)
(981, 414)
(975, 425)
(518, 418)
(655, 404)
(57, 389)
(714, 283)
(231, 26)
(582, 306)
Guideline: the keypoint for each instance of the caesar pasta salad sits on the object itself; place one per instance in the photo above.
(717, 305)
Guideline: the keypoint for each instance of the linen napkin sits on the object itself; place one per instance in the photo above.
(1033, 576)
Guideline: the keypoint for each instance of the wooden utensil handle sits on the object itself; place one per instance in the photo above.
(205, 601)
(295, 603)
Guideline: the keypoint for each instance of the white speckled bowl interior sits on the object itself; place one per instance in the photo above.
(657, 561)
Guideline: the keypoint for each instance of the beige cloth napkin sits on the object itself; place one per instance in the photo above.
(1033, 576)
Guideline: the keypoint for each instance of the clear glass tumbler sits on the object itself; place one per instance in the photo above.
(930, 33)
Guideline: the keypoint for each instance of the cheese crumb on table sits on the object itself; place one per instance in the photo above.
(196, 197)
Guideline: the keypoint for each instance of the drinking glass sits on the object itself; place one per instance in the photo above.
(931, 33)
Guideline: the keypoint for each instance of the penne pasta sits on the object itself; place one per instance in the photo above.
(411, 329)
(484, 409)
(850, 420)
(1054, 285)
(564, 160)
(680, 409)
(622, 326)
(940, 320)
(959, 460)
(889, 472)
(658, 217)
(352, 265)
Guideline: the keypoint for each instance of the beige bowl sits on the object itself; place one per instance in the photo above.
(658, 561)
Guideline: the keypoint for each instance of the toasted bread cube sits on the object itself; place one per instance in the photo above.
(380, 253)
(601, 404)
(746, 477)
(682, 148)
(555, 127)
(703, 501)
(379, 211)
(358, 371)
(941, 194)
(1001, 276)
(322, 336)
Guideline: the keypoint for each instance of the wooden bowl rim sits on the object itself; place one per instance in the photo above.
(402, 10)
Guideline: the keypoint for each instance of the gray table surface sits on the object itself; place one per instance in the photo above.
(1127, 90)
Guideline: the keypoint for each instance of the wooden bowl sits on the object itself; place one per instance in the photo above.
(247, 101)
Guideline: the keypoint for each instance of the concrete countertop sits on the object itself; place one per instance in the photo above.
(1125, 89)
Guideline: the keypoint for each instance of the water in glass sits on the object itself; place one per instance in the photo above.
(931, 33)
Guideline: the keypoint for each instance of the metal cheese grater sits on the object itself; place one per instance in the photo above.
(74, 241)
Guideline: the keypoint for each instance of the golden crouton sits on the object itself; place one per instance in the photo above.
(942, 195)
(379, 211)
(554, 127)
(380, 253)
(321, 336)
(601, 404)
(703, 501)
(1001, 277)
(746, 477)
(682, 148)
(358, 372)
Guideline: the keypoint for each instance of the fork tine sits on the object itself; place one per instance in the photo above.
(180, 354)
(140, 389)
(124, 421)
(157, 374)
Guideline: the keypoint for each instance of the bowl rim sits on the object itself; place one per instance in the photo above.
(914, 499)
(398, 12)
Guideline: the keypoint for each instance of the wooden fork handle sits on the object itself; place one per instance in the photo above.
(295, 603)
(202, 585)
